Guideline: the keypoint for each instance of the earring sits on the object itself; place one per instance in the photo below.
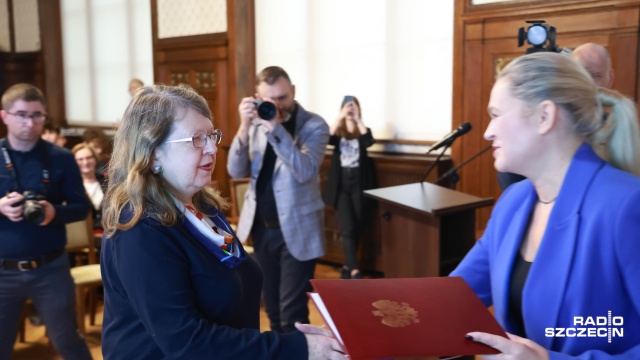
(156, 169)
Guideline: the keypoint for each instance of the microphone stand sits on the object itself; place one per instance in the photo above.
(452, 174)
(433, 164)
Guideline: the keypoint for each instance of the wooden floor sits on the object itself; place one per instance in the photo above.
(37, 345)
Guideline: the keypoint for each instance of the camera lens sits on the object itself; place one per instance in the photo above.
(33, 212)
(266, 109)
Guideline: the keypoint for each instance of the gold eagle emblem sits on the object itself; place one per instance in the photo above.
(395, 314)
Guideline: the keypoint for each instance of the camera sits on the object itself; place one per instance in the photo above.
(266, 109)
(537, 35)
(33, 212)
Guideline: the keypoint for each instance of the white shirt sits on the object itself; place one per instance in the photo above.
(349, 153)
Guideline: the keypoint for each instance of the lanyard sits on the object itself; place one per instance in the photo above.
(12, 171)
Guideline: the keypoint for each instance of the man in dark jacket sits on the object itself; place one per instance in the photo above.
(41, 191)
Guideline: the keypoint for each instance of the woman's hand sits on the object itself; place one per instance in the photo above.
(515, 347)
(321, 343)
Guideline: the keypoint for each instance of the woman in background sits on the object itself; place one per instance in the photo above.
(94, 184)
(351, 171)
(177, 282)
(564, 242)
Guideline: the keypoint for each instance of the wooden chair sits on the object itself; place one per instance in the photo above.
(80, 241)
(80, 238)
(239, 188)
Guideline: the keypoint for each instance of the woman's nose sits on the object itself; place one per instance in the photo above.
(210, 147)
(488, 134)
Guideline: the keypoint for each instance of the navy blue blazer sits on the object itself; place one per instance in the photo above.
(587, 264)
(168, 297)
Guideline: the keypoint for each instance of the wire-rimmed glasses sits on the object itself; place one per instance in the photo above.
(36, 117)
(199, 139)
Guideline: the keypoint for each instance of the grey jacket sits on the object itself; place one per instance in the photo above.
(296, 182)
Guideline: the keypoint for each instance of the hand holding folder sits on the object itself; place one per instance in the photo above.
(385, 318)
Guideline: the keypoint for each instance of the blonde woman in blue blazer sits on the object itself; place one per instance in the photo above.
(559, 258)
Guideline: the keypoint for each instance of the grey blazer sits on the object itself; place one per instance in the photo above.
(296, 182)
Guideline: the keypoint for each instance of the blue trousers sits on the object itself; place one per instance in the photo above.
(286, 279)
(51, 289)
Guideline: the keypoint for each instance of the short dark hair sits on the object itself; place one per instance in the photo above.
(271, 74)
(51, 127)
(95, 134)
(22, 91)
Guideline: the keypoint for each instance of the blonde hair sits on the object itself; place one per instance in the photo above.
(549, 76)
(146, 123)
(618, 140)
(81, 146)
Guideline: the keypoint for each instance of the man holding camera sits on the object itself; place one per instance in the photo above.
(41, 191)
(283, 208)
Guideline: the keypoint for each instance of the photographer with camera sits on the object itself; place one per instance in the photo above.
(36, 180)
(283, 208)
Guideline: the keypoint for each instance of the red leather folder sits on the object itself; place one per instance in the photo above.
(387, 318)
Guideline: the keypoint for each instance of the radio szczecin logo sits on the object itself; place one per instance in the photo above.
(590, 327)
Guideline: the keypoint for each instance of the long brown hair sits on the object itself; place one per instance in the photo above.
(342, 131)
(145, 125)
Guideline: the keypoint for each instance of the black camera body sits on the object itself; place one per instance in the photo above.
(266, 109)
(538, 35)
(33, 212)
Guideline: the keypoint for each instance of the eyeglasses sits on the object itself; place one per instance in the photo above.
(199, 139)
(23, 116)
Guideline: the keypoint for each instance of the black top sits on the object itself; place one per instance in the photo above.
(516, 285)
(367, 171)
(168, 297)
(266, 202)
(506, 179)
(23, 239)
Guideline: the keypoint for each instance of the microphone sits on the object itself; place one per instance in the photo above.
(449, 138)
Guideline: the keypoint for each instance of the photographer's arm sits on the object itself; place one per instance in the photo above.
(238, 162)
(303, 159)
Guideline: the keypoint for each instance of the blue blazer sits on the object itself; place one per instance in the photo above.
(588, 262)
(168, 297)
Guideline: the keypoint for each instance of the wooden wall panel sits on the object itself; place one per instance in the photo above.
(485, 39)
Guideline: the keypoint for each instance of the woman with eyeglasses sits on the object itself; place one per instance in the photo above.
(177, 282)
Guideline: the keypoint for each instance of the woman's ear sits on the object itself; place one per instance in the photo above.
(154, 157)
(547, 116)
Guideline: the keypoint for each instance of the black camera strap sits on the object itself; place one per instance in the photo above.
(45, 165)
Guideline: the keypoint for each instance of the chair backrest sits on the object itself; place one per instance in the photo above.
(80, 237)
(238, 189)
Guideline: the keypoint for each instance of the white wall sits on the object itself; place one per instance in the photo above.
(106, 43)
(396, 56)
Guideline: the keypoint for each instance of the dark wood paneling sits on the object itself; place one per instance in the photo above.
(51, 40)
(242, 54)
(41, 68)
(485, 35)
